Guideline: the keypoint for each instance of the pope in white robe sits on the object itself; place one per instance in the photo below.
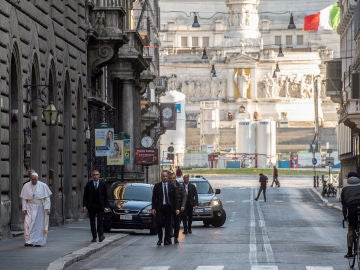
(35, 196)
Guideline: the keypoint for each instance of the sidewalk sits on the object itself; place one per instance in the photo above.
(71, 243)
(65, 245)
(328, 201)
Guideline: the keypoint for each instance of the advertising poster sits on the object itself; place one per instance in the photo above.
(126, 151)
(104, 142)
(117, 157)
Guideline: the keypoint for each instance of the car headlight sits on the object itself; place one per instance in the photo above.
(214, 202)
(146, 210)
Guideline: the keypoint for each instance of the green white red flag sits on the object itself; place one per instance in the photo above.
(326, 19)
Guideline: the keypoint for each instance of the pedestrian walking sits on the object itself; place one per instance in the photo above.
(179, 172)
(181, 201)
(163, 207)
(191, 202)
(263, 179)
(35, 198)
(275, 177)
(95, 202)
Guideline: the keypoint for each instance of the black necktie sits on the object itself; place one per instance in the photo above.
(166, 195)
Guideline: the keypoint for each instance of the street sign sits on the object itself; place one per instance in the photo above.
(314, 161)
(330, 161)
(146, 156)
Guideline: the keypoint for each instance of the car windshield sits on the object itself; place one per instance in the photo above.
(134, 193)
(203, 187)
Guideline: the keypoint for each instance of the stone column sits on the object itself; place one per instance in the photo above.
(230, 85)
(253, 93)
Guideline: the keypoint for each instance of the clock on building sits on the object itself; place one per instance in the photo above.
(147, 141)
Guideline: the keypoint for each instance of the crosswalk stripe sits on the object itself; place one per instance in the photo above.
(218, 267)
(319, 268)
(264, 267)
(156, 268)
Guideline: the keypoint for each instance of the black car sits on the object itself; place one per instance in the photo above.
(210, 209)
(130, 207)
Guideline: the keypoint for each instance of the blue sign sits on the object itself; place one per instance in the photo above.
(314, 161)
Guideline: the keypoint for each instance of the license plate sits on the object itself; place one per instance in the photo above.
(126, 217)
(199, 210)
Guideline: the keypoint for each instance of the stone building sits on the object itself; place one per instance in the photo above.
(253, 57)
(42, 61)
(96, 61)
(343, 86)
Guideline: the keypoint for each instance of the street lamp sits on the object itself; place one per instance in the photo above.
(50, 115)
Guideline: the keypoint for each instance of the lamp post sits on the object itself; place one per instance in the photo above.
(314, 161)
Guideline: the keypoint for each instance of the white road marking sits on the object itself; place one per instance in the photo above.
(267, 246)
(232, 217)
(252, 243)
(264, 267)
(156, 268)
(229, 201)
(319, 268)
(218, 267)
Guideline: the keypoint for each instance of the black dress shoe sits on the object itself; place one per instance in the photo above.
(176, 241)
(159, 242)
(101, 238)
(93, 240)
(190, 231)
(37, 246)
(185, 232)
(28, 245)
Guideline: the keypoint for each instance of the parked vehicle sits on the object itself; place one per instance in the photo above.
(130, 207)
(210, 209)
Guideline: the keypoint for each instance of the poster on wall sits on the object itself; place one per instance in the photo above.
(126, 151)
(117, 157)
(104, 142)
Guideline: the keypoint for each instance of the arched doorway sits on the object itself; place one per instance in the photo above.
(16, 139)
(35, 112)
(80, 137)
(67, 151)
(57, 214)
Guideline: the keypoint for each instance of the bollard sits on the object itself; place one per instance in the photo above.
(317, 181)
(314, 181)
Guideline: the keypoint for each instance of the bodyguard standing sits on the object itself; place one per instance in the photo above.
(163, 207)
(181, 201)
(95, 202)
(191, 202)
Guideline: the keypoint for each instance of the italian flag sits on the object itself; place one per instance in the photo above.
(326, 19)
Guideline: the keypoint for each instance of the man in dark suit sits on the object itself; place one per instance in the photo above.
(164, 204)
(95, 202)
(181, 201)
(191, 202)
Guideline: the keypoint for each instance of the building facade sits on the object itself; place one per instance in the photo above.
(97, 62)
(347, 91)
(256, 60)
(43, 61)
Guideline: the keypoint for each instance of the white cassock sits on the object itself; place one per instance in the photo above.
(35, 199)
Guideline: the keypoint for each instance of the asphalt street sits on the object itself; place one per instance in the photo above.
(70, 243)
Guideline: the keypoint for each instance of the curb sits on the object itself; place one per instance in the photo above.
(78, 255)
(326, 202)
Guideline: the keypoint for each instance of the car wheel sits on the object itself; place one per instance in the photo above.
(206, 223)
(220, 219)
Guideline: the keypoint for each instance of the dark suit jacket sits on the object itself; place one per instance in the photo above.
(192, 195)
(95, 199)
(157, 197)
